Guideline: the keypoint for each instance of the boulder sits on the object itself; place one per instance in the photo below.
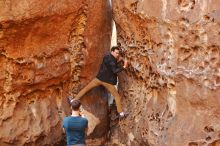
(171, 87)
(50, 49)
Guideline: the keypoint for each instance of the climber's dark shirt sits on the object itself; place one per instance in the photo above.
(109, 69)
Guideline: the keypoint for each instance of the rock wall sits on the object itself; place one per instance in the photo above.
(49, 48)
(171, 87)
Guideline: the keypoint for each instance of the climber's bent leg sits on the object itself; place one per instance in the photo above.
(112, 89)
(95, 82)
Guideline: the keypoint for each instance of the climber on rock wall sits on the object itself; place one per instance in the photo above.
(107, 77)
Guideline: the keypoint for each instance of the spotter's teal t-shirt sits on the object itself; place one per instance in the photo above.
(75, 129)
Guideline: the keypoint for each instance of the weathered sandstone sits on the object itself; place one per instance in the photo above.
(49, 48)
(172, 85)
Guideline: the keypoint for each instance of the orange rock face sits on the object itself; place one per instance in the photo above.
(49, 48)
(172, 84)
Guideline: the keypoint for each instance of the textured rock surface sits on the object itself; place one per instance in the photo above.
(172, 84)
(49, 48)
